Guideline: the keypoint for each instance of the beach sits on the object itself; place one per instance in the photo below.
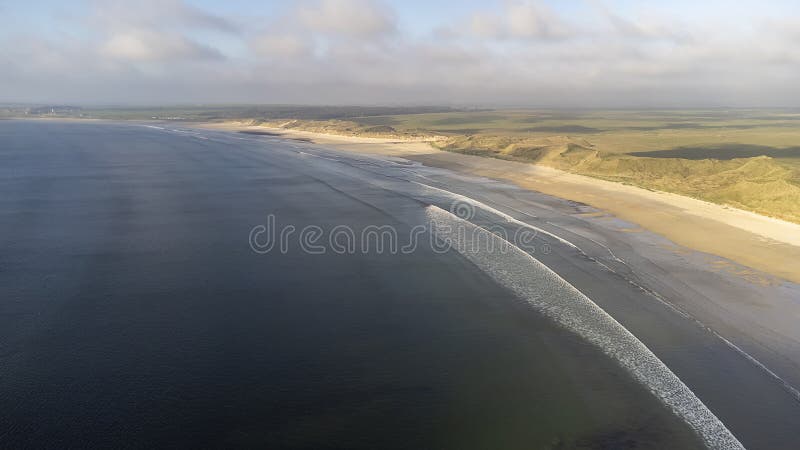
(768, 245)
(731, 272)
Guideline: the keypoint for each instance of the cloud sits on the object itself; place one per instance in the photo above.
(531, 20)
(154, 31)
(353, 18)
(158, 14)
(282, 46)
(643, 29)
(519, 20)
(360, 51)
(148, 46)
(787, 29)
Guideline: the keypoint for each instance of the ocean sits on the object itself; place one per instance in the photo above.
(161, 286)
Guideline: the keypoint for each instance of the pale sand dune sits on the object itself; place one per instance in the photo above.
(763, 243)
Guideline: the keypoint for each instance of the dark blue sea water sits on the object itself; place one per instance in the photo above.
(134, 313)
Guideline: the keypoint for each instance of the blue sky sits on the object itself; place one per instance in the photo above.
(518, 52)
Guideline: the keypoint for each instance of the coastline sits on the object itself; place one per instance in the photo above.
(763, 243)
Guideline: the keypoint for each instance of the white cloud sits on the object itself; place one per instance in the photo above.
(154, 31)
(650, 28)
(282, 46)
(158, 14)
(356, 51)
(531, 20)
(354, 18)
(519, 20)
(146, 46)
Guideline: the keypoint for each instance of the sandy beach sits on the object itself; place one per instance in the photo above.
(762, 243)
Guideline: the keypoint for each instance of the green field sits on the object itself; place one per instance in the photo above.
(745, 158)
(705, 134)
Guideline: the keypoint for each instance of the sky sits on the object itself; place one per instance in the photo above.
(526, 53)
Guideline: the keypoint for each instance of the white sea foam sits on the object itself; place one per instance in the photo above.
(495, 211)
(554, 297)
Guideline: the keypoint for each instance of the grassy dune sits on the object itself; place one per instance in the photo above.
(760, 184)
(348, 128)
(746, 159)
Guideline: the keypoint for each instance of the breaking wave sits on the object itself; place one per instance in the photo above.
(554, 297)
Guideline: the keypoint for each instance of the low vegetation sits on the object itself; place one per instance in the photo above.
(761, 184)
(347, 128)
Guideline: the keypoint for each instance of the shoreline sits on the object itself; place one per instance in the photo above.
(760, 242)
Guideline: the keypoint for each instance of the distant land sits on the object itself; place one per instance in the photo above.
(743, 158)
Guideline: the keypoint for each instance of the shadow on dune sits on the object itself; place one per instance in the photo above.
(723, 152)
(467, 119)
(564, 129)
(700, 126)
